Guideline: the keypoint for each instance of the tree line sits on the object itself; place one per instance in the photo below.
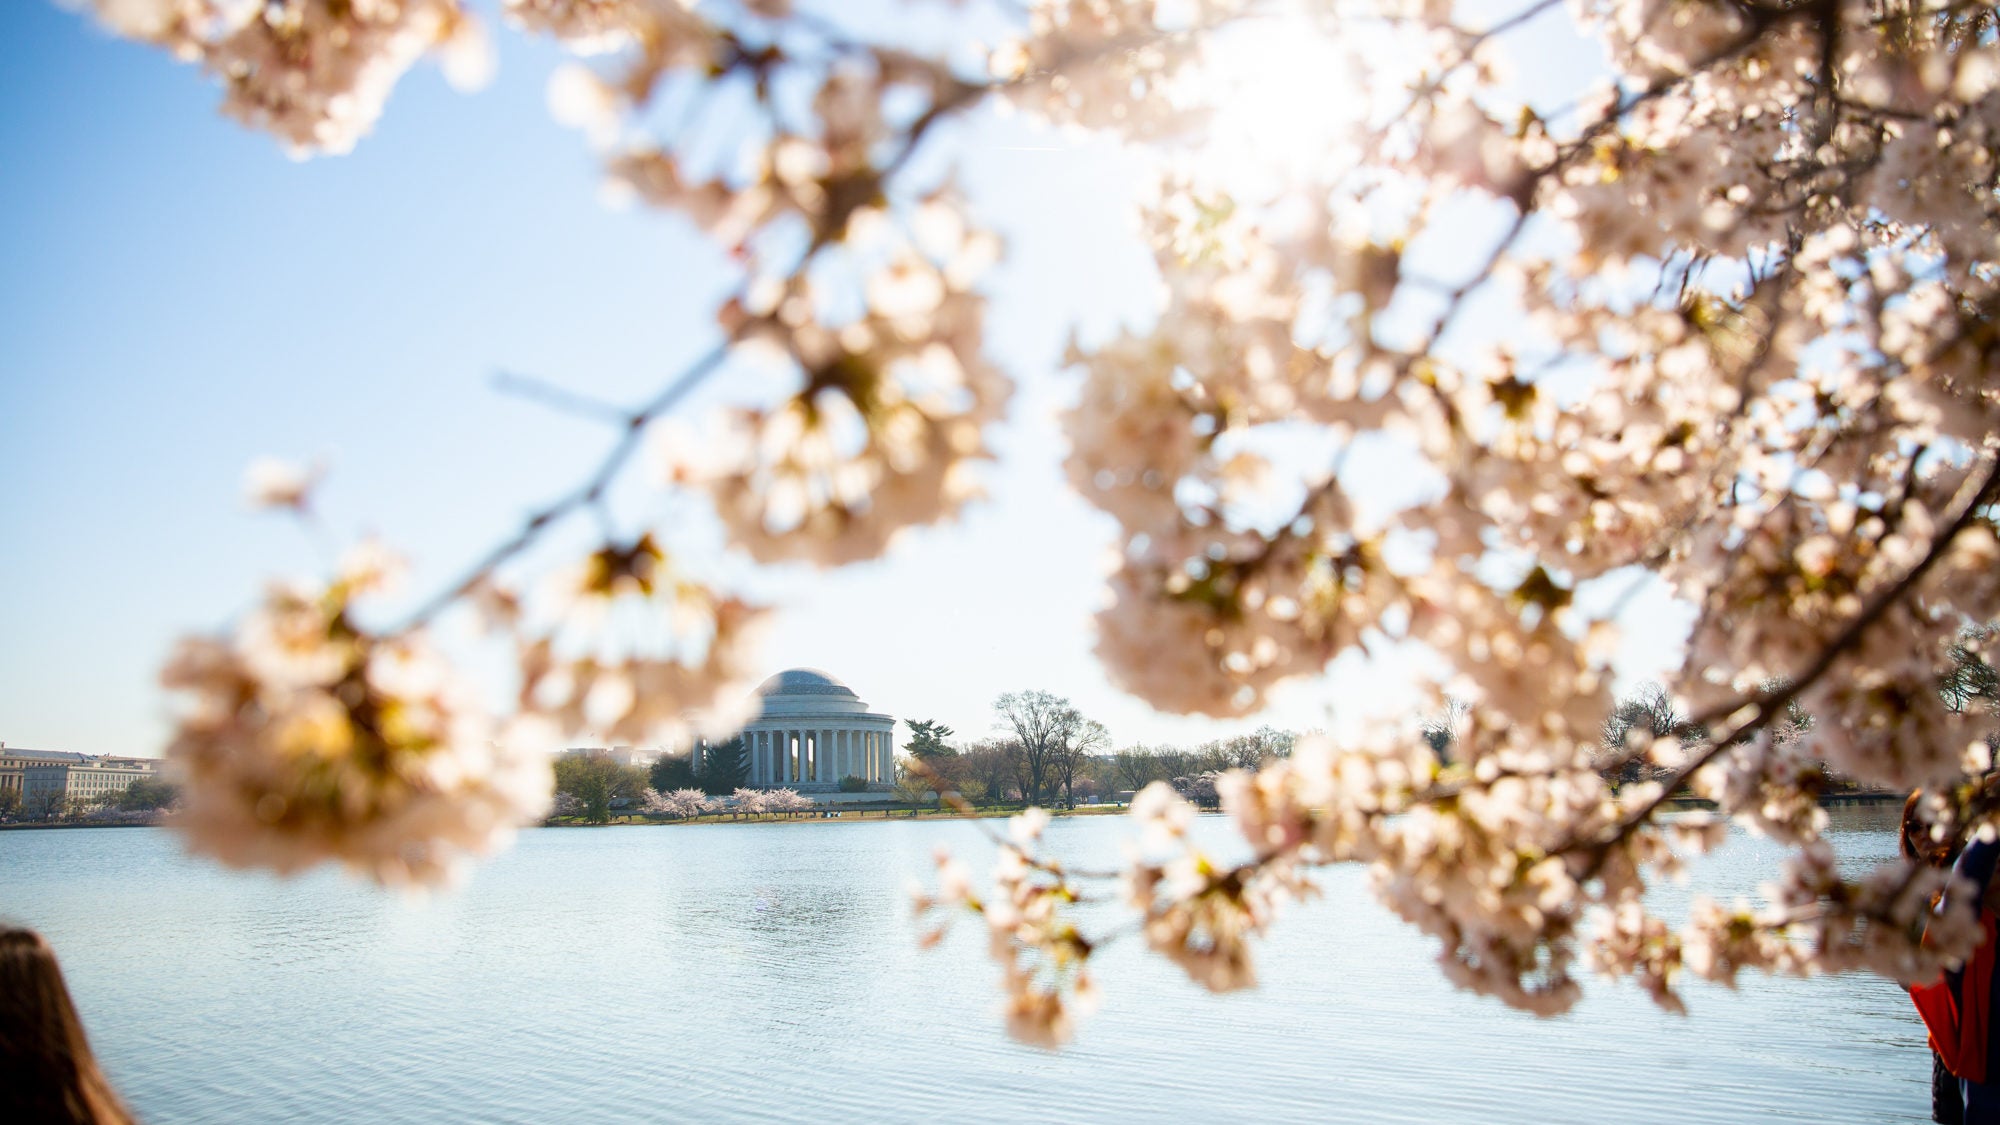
(1044, 751)
(1047, 752)
(592, 784)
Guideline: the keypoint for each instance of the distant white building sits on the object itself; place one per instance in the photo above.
(623, 755)
(812, 731)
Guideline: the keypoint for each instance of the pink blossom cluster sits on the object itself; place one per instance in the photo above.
(757, 802)
(634, 647)
(314, 73)
(681, 803)
(304, 738)
(1042, 955)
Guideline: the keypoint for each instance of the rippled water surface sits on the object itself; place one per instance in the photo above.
(767, 972)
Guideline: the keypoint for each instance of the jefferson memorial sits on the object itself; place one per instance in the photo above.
(812, 731)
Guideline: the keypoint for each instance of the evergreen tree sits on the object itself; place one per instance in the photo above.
(927, 739)
(674, 771)
(724, 768)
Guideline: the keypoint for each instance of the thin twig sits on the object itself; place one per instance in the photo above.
(558, 398)
(584, 494)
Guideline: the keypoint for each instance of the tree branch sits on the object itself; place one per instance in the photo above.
(589, 492)
(1770, 702)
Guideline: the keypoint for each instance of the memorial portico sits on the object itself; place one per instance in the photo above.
(813, 731)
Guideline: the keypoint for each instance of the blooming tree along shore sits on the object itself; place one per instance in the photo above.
(1747, 271)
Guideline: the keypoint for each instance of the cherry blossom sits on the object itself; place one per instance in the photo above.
(1719, 318)
(304, 739)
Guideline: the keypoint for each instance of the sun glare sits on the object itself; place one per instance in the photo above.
(1288, 101)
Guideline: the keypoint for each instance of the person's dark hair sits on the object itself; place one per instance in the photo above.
(47, 1073)
(1916, 841)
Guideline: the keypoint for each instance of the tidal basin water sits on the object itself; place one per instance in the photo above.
(769, 973)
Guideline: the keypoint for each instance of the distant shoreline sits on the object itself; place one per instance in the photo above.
(848, 816)
(879, 815)
(636, 820)
(155, 823)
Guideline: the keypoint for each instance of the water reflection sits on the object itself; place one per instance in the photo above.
(1882, 817)
(765, 973)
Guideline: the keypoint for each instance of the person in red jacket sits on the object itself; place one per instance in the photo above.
(1957, 1008)
(1919, 846)
(1978, 1061)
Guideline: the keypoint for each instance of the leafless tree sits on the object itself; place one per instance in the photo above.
(1052, 735)
(991, 767)
(1135, 767)
(1251, 751)
(1040, 722)
(1176, 761)
(1647, 714)
(1073, 749)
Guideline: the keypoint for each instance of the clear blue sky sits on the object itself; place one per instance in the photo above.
(177, 298)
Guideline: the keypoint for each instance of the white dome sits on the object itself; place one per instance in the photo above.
(805, 681)
(807, 691)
